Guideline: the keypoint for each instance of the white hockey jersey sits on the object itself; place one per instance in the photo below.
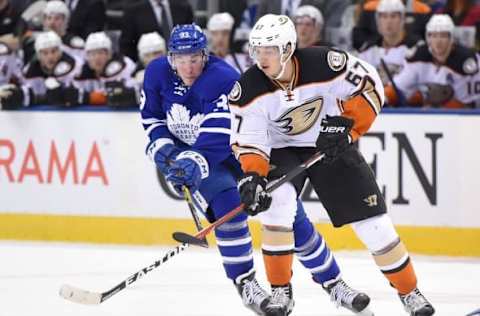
(10, 66)
(35, 77)
(118, 68)
(394, 57)
(267, 115)
(421, 70)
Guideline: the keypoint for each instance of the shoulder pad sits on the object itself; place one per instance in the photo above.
(113, 68)
(337, 60)
(62, 68)
(236, 92)
(470, 66)
(463, 60)
(4, 49)
(320, 64)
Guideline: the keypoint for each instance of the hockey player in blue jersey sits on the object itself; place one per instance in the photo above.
(186, 117)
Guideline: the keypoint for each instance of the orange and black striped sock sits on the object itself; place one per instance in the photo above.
(277, 249)
(395, 264)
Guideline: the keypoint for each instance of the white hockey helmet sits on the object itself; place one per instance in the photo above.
(311, 12)
(98, 40)
(386, 6)
(47, 40)
(57, 7)
(220, 22)
(440, 23)
(149, 43)
(274, 30)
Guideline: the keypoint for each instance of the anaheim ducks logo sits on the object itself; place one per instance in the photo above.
(301, 118)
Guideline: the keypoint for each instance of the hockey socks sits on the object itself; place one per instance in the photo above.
(395, 264)
(312, 250)
(277, 249)
(233, 237)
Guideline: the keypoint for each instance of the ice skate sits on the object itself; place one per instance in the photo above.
(345, 296)
(282, 302)
(253, 295)
(416, 304)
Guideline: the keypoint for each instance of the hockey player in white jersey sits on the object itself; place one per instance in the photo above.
(393, 43)
(220, 27)
(106, 77)
(287, 107)
(436, 74)
(48, 78)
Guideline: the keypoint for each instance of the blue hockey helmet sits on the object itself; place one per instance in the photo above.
(186, 39)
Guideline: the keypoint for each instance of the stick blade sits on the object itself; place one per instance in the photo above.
(80, 296)
(189, 239)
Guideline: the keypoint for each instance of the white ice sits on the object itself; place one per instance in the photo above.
(193, 283)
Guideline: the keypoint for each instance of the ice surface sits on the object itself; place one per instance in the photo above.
(193, 283)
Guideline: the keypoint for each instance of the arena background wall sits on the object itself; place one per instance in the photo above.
(82, 176)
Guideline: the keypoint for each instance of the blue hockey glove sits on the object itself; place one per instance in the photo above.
(252, 188)
(163, 154)
(334, 139)
(188, 169)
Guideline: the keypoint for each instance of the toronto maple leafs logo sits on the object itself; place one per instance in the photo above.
(181, 125)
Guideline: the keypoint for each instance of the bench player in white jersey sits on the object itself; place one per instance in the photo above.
(436, 74)
(48, 78)
(287, 107)
(106, 77)
(220, 27)
(393, 43)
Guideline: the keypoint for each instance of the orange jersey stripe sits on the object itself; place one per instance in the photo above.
(254, 163)
(360, 110)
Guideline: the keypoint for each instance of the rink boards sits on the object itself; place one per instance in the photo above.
(83, 177)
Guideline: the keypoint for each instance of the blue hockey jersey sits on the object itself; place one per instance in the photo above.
(195, 117)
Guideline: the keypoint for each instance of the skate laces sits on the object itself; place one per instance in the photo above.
(281, 295)
(342, 294)
(253, 293)
(414, 300)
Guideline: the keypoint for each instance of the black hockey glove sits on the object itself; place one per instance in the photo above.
(252, 188)
(118, 95)
(11, 97)
(333, 139)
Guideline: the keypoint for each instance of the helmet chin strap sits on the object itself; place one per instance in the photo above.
(283, 64)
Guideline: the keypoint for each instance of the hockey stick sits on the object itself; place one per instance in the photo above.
(77, 295)
(191, 206)
(401, 97)
(195, 240)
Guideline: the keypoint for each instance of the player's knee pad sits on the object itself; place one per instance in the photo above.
(283, 208)
(377, 233)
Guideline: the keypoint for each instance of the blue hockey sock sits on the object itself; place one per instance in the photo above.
(312, 250)
(233, 237)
